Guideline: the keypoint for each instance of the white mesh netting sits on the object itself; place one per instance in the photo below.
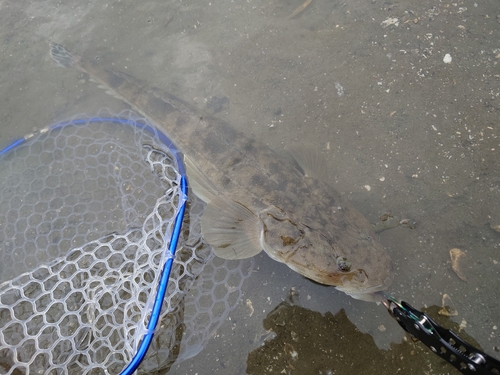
(86, 213)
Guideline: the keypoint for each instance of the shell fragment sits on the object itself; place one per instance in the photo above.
(447, 307)
(457, 262)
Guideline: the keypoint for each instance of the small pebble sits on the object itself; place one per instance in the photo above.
(447, 59)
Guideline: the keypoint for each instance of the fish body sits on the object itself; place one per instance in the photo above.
(255, 200)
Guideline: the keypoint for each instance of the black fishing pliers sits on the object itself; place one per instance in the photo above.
(443, 342)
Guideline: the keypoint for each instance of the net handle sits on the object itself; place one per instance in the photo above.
(162, 289)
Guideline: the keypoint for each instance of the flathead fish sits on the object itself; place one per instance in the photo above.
(255, 200)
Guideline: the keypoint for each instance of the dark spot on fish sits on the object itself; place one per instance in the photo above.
(295, 190)
(257, 179)
(283, 183)
(249, 146)
(227, 132)
(225, 181)
(288, 241)
(275, 168)
(213, 143)
(224, 245)
(181, 120)
(217, 103)
(233, 162)
(114, 79)
(160, 107)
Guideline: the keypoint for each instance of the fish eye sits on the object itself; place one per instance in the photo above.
(343, 264)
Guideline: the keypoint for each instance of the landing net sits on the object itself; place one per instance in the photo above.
(87, 211)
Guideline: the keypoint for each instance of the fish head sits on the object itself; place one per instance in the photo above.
(347, 256)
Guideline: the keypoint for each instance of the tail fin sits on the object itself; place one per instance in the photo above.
(62, 56)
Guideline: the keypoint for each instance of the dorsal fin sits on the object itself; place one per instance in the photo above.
(309, 159)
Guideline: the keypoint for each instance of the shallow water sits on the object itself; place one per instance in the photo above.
(401, 130)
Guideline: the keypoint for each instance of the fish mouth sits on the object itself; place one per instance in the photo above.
(374, 294)
(370, 294)
(377, 296)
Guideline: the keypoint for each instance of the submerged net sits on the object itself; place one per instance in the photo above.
(86, 214)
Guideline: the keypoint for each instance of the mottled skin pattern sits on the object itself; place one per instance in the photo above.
(294, 210)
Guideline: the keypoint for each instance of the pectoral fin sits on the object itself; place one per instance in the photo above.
(309, 159)
(231, 229)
